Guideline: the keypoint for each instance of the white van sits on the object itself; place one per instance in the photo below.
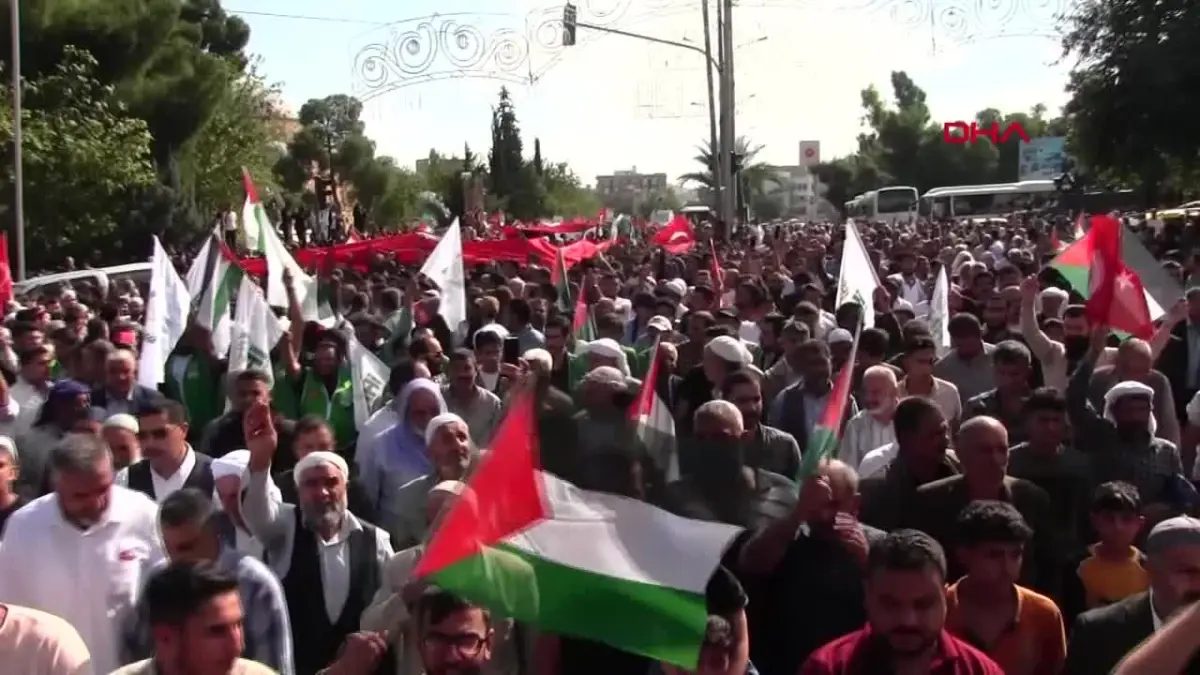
(103, 277)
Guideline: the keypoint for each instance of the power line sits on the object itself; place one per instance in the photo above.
(303, 17)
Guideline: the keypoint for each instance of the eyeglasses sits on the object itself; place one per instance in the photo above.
(466, 644)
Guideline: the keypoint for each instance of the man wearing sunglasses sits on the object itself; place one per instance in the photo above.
(169, 464)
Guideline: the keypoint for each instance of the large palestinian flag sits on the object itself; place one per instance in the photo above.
(537, 549)
(1075, 262)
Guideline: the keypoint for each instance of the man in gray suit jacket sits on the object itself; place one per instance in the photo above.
(1103, 636)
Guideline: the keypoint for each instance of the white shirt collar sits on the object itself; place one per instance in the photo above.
(184, 470)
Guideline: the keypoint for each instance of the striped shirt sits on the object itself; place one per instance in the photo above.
(863, 434)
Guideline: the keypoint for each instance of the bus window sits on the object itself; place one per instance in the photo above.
(895, 201)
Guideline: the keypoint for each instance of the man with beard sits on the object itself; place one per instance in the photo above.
(82, 552)
(719, 486)
(812, 558)
(1103, 636)
(906, 616)
(464, 396)
(1134, 361)
(1121, 442)
(798, 407)
(969, 366)
(329, 561)
(1012, 367)
(764, 447)
(871, 428)
(455, 635)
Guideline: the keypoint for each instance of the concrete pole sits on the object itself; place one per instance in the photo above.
(727, 113)
(18, 229)
(714, 145)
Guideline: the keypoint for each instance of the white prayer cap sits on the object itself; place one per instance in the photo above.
(901, 303)
(677, 286)
(839, 336)
(539, 356)
(320, 458)
(494, 328)
(438, 422)
(729, 349)
(450, 487)
(122, 421)
(606, 347)
(7, 445)
(232, 464)
(660, 323)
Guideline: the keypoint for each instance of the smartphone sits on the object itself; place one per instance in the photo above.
(512, 350)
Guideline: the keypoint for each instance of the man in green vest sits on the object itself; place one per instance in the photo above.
(195, 377)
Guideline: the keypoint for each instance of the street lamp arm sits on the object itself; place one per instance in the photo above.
(648, 38)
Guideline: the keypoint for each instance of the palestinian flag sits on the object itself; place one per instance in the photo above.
(535, 548)
(254, 217)
(583, 326)
(655, 425)
(827, 432)
(213, 280)
(558, 277)
(1075, 261)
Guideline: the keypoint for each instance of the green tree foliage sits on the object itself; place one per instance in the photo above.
(84, 155)
(756, 177)
(244, 131)
(1131, 107)
(904, 145)
(505, 160)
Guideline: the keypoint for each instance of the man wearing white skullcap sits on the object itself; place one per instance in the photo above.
(451, 451)
(120, 432)
(606, 352)
(229, 481)
(1121, 441)
(330, 562)
(722, 356)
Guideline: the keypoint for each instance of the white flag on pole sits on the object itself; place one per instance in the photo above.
(856, 278)
(255, 332)
(167, 311)
(370, 376)
(939, 313)
(444, 267)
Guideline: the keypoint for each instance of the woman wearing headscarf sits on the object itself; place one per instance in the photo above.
(451, 451)
(399, 454)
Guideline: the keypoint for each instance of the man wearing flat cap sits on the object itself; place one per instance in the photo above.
(330, 562)
(1103, 636)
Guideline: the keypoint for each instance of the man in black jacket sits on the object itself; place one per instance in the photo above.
(1103, 636)
(224, 434)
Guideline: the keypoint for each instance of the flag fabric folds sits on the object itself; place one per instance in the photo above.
(255, 331)
(167, 310)
(212, 281)
(370, 377)
(856, 277)
(444, 267)
(827, 432)
(653, 421)
(537, 549)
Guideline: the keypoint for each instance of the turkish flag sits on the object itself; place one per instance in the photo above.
(6, 280)
(677, 237)
(1116, 296)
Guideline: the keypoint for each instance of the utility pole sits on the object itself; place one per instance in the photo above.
(714, 145)
(729, 139)
(18, 169)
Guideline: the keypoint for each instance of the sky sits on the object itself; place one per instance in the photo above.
(616, 103)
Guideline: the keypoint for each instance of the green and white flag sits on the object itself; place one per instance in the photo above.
(856, 278)
(370, 376)
(167, 310)
(255, 331)
(212, 281)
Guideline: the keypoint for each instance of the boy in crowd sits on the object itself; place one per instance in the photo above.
(1114, 570)
(1020, 629)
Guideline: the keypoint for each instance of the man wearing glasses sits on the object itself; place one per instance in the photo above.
(169, 463)
(454, 637)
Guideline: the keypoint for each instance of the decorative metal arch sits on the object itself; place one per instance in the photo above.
(425, 49)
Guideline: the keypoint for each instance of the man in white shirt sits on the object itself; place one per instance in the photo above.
(872, 427)
(83, 551)
(170, 464)
(32, 386)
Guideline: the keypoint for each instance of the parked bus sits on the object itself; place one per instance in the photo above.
(988, 201)
(889, 204)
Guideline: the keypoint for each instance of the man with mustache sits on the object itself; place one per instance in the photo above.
(329, 561)
(1103, 636)
(906, 616)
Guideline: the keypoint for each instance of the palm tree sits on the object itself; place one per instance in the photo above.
(756, 177)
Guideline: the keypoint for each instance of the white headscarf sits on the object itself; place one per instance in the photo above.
(608, 348)
(1129, 388)
(237, 464)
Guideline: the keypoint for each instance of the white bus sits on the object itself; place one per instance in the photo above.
(988, 201)
(888, 204)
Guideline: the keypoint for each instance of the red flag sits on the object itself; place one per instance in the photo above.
(1055, 245)
(677, 237)
(1116, 297)
(6, 280)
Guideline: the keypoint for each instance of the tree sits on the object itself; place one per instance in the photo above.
(903, 145)
(505, 159)
(538, 166)
(84, 154)
(244, 132)
(565, 194)
(1133, 89)
(756, 177)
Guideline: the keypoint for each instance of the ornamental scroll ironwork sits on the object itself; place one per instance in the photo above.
(463, 45)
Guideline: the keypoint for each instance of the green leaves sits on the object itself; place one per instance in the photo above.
(84, 154)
